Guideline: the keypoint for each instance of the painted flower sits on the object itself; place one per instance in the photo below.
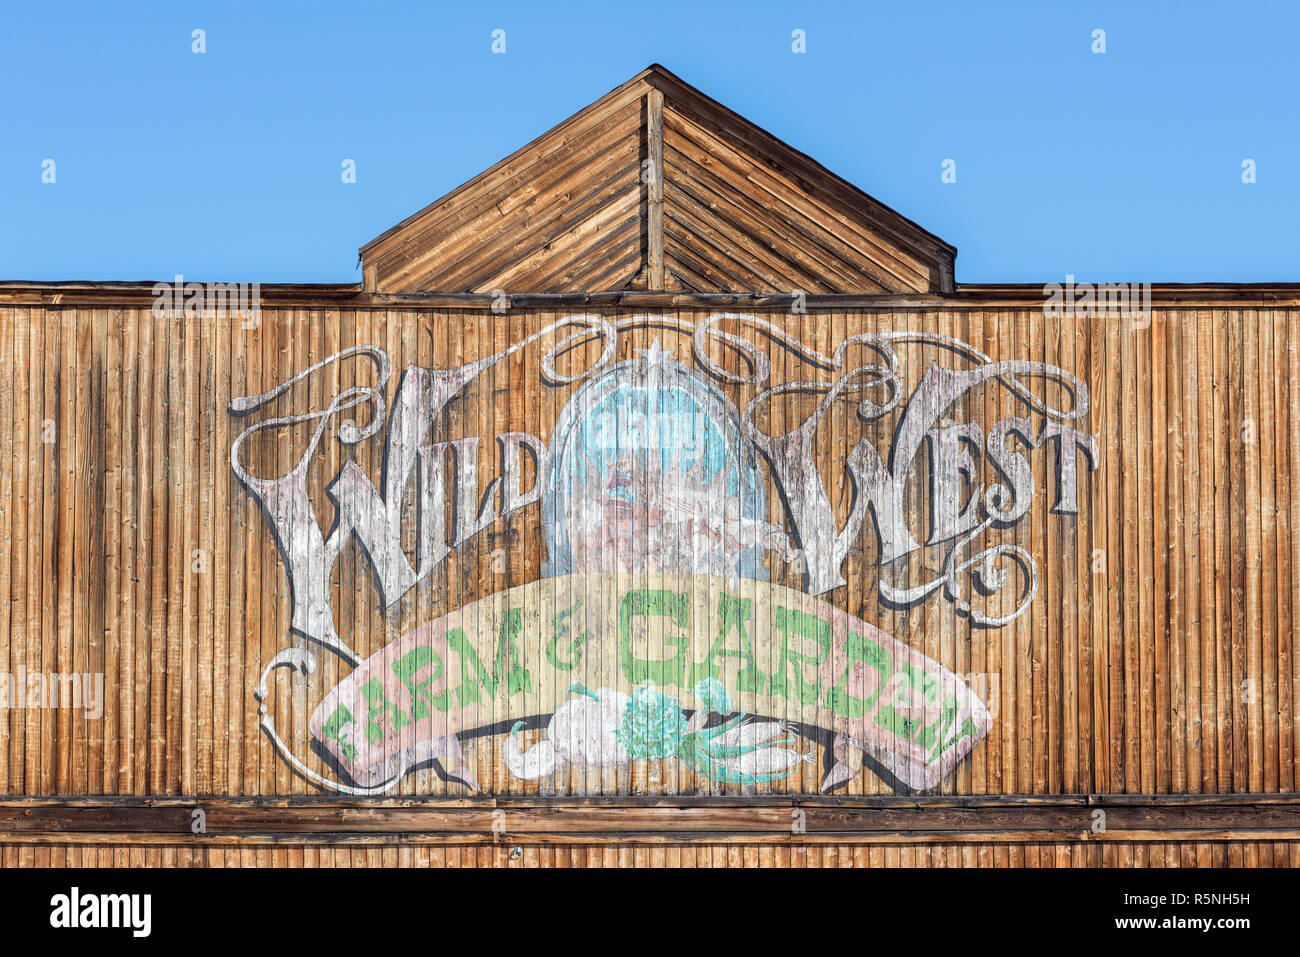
(712, 695)
(653, 724)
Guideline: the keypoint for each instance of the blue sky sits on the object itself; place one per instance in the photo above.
(225, 166)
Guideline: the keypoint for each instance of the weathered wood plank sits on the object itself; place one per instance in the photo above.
(1157, 657)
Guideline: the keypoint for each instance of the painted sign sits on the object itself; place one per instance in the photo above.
(655, 631)
(652, 666)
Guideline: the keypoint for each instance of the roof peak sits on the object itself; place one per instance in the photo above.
(656, 186)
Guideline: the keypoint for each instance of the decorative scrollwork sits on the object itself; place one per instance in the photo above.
(880, 390)
(987, 575)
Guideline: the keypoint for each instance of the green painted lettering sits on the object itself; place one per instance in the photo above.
(858, 648)
(798, 629)
(643, 602)
(915, 683)
(507, 664)
(380, 706)
(406, 669)
(333, 729)
(509, 659)
(733, 615)
(573, 643)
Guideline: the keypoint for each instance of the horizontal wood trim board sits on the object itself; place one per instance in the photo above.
(615, 839)
(352, 297)
(759, 820)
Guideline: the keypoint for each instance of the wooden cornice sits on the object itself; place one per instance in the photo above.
(137, 295)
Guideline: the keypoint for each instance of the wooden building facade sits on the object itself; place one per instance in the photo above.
(657, 498)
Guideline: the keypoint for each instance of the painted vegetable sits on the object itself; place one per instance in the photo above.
(582, 731)
(737, 751)
(606, 727)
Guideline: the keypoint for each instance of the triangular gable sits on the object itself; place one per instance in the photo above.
(735, 211)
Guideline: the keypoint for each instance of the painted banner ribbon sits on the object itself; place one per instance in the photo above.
(727, 676)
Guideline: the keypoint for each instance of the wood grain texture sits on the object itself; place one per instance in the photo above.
(763, 819)
(999, 855)
(1157, 659)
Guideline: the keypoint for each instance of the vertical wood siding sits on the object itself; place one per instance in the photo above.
(1158, 855)
(1156, 658)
